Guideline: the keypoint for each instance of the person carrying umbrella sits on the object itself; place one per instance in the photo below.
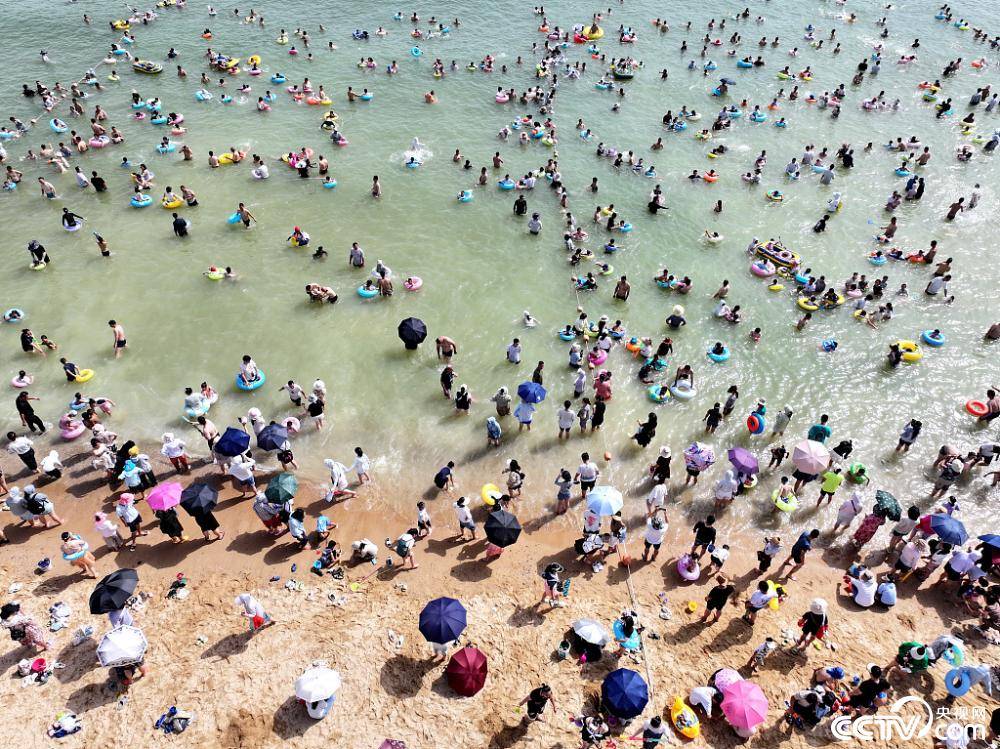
(199, 500)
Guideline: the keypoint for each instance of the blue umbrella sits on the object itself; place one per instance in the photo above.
(233, 442)
(949, 529)
(624, 693)
(272, 437)
(531, 392)
(442, 620)
(991, 539)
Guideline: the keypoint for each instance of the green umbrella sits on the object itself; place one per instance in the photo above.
(281, 488)
(888, 505)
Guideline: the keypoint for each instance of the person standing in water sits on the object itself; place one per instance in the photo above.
(119, 343)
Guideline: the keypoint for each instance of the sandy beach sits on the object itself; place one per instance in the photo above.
(203, 659)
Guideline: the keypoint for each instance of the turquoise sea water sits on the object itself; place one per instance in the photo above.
(480, 266)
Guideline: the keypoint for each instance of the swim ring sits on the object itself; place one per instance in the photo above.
(413, 283)
(788, 504)
(930, 339)
(756, 423)
(719, 358)
(367, 293)
(490, 494)
(911, 351)
(86, 375)
(683, 390)
(253, 385)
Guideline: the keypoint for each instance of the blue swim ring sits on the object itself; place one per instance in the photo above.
(136, 203)
(506, 184)
(625, 228)
(161, 120)
(719, 358)
(566, 336)
(169, 148)
(957, 682)
(653, 393)
(416, 51)
(278, 78)
(928, 337)
(465, 196)
(253, 385)
(233, 219)
(743, 64)
(367, 293)
(330, 185)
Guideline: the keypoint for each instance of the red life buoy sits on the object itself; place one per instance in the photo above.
(976, 408)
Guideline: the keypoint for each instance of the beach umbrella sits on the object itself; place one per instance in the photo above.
(726, 676)
(412, 332)
(317, 683)
(811, 457)
(122, 646)
(111, 593)
(743, 460)
(199, 497)
(624, 693)
(466, 671)
(281, 488)
(272, 437)
(592, 631)
(233, 442)
(502, 528)
(699, 456)
(164, 496)
(531, 392)
(991, 539)
(744, 705)
(604, 500)
(948, 529)
(442, 620)
(888, 504)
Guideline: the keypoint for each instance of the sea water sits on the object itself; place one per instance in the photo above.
(480, 267)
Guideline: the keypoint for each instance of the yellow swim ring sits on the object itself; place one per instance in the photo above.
(491, 494)
(253, 60)
(804, 303)
(776, 287)
(172, 204)
(684, 719)
(86, 375)
(911, 351)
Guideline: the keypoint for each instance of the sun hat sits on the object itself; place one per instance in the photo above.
(818, 606)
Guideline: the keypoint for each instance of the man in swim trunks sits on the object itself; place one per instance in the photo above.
(119, 337)
(446, 347)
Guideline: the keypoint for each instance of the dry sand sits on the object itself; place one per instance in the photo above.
(240, 687)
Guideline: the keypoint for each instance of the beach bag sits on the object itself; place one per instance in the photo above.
(578, 546)
(402, 549)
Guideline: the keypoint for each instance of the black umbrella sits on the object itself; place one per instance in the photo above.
(412, 332)
(502, 528)
(199, 498)
(111, 593)
(272, 437)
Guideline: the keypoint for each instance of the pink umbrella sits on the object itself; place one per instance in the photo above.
(726, 677)
(164, 496)
(744, 705)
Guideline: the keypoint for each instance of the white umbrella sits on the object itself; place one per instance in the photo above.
(591, 631)
(122, 646)
(604, 500)
(317, 683)
(811, 457)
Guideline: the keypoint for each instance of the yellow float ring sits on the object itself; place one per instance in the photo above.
(911, 351)
(491, 494)
(86, 375)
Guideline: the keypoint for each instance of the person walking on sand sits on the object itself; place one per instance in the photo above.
(254, 612)
(404, 547)
(76, 551)
(797, 556)
(465, 521)
(716, 599)
(536, 701)
(119, 343)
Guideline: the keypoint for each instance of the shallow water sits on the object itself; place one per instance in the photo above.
(480, 266)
